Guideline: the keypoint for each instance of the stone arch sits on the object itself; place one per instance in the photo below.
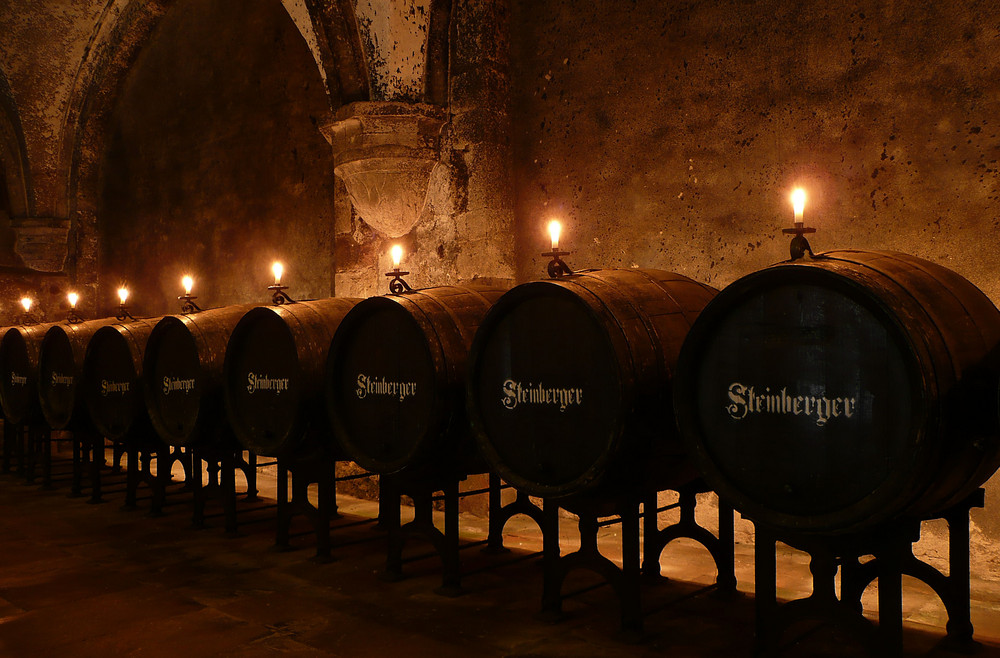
(122, 30)
(16, 175)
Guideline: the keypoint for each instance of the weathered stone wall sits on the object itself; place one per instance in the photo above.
(669, 135)
(215, 165)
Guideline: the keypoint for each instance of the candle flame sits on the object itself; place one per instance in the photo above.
(188, 284)
(397, 254)
(554, 229)
(278, 270)
(73, 299)
(123, 294)
(798, 203)
(26, 302)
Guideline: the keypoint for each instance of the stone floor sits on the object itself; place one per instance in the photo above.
(96, 580)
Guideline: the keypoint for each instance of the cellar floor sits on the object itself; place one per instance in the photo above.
(97, 580)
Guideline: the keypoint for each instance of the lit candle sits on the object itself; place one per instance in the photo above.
(798, 205)
(278, 270)
(73, 299)
(26, 302)
(397, 255)
(554, 229)
(123, 294)
(188, 284)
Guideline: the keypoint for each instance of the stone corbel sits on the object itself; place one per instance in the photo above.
(41, 242)
(385, 153)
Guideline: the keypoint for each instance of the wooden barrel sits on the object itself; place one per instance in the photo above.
(273, 377)
(19, 372)
(829, 395)
(112, 378)
(182, 375)
(60, 367)
(569, 383)
(395, 380)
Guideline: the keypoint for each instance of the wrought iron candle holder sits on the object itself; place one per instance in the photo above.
(799, 246)
(188, 306)
(123, 313)
(279, 296)
(557, 267)
(397, 286)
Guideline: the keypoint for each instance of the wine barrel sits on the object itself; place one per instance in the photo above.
(569, 383)
(182, 375)
(112, 372)
(273, 377)
(60, 366)
(395, 381)
(19, 372)
(827, 396)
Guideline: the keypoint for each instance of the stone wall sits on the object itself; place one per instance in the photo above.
(669, 135)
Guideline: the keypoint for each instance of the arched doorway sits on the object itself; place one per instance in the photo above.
(213, 164)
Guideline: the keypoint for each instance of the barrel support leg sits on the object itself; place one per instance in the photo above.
(132, 473)
(46, 458)
(76, 483)
(766, 596)
(390, 501)
(96, 444)
(227, 481)
(451, 583)
(8, 445)
(198, 492)
(553, 575)
(284, 512)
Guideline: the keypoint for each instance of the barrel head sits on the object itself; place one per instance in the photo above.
(18, 375)
(381, 386)
(173, 381)
(111, 388)
(58, 374)
(263, 384)
(798, 394)
(545, 391)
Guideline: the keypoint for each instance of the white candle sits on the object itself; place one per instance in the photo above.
(397, 255)
(188, 284)
(278, 269)
(26, 302)
(73, 299)
(123, 294)
(798, 205)
(554, 229)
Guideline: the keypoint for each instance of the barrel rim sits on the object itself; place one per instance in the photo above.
(350, 323)
(155, 417)
(23, 334)
(56, 421)
(245, 438)
(584, 482)
(874, 507)
(115, 331)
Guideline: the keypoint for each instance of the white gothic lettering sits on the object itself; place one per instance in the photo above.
(745, 400)
(257, 382)
(175, 384)
(374, 386)
(514, 393)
